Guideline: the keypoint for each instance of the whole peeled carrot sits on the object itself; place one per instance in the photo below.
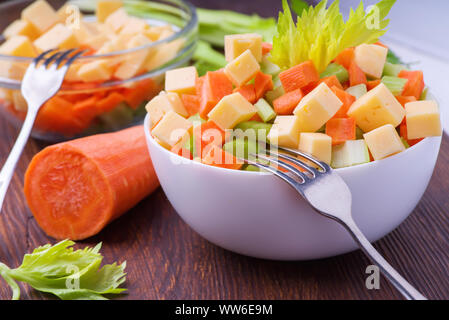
(75, 188)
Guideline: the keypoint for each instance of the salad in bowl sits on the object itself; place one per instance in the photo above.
(324, 86)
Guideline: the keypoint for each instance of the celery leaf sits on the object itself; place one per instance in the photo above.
(67, 273)
(321, 33)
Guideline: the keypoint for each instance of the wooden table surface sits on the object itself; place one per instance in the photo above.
(167, 260)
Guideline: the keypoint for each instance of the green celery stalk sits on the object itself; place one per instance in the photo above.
(337, 70)
(264, 110)
(394, 84)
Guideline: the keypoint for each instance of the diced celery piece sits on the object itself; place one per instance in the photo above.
(277, 82)
(405, 143)
(357, 91)
(275, 93)
(118, 118)
(252, 130)
(249, 167)
(337, 70)
(264, 110)
(394, 84)
(322, 129)
(190, 145)
(196, 120)
(392, 70)
(359, 133)
(424, 94)
(350, 153)
(269, 67)
(241, 148)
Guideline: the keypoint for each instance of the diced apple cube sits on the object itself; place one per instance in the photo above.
(316, 108)
(384, 142)
(181, 80)
(171, 129)
(232, 110)
(21, 28)
(163, 103)
(377, 108)
(19, 46)
(117, 20)
(106, 7)
(319, 145)
(59, 36)
(285, 132)
(242, 69)
(423, 119)
(41, 15)
(371, 59)
(99, 70)
(236, 44)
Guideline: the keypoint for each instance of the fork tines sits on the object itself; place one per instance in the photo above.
(294, 168)
(53, 58)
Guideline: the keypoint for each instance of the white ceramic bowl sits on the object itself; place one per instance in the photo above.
(258, 215)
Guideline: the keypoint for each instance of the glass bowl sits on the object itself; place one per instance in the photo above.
(86, 108)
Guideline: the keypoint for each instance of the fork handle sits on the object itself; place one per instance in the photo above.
(406, 289)
(14, 156)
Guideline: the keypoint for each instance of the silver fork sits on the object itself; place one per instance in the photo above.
(329, 195)
(42, 80)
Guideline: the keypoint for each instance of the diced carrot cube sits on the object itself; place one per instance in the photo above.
(191, 103)
(341, 130)
(248, 91)
(356, 75)
(347, 100)
(415, 84)
(299, 76)
(286, 104)
(345, 58)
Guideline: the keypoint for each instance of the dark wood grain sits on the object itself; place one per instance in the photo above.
(167, 260)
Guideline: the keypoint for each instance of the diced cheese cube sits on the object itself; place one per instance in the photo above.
(106, 7)
(242, 69)
(236, 44)
(59, 36)
(19, 46)
(41, 15)
(98, 70)
(316, 108)
(163, 103)
(171, 129)
(12, 70)
(117, 20)
(19, 101)
(68, 12)
(21, 28)
(423, 119)
(318, 145)
(84, 31)
(371, 59)
(164, 54)
(231, 110)
(377, 108)
(384, 142)
(134, 26)
(182, 80)
(285, 132)
(5, 95)
(97, 41)
(72, 73)
(134, 62)
(159, 32)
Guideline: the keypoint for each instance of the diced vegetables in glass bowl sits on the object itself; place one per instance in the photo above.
(123, 66)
